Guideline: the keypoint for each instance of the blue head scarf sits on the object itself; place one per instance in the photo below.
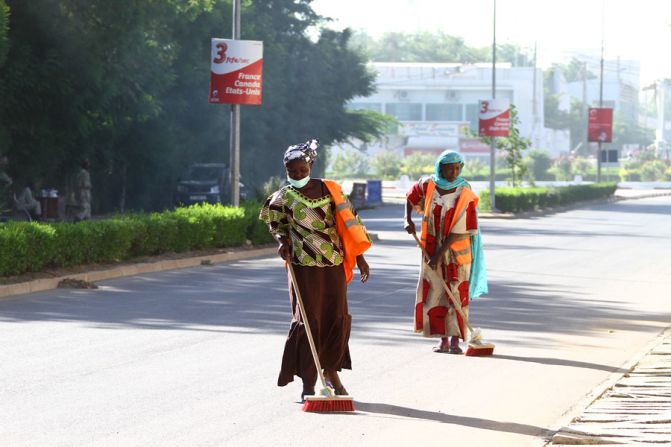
(478, 279)
(445, 158)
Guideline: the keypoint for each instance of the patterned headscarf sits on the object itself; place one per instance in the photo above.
(305, 151)
(444, 158)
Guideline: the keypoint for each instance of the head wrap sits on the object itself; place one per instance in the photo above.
(445, 158)
(305, 151)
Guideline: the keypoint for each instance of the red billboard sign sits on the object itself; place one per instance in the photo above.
(494, 118)
(236, 72)
(600, 125)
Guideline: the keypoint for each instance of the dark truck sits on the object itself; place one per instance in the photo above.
(205, 182)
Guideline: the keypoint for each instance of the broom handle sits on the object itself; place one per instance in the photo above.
(457, 304)
(301, 307)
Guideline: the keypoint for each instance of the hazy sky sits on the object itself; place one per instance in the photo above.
(634, 29)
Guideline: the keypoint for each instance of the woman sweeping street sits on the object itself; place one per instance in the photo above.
(450, 237)
(319, 232)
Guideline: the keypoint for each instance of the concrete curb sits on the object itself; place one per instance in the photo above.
(39, 285)
(595, 394)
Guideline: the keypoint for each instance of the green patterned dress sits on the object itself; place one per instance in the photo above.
(320, 276)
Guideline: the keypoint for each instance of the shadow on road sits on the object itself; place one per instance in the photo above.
(559, 362)
(486, 424)
(251, 297)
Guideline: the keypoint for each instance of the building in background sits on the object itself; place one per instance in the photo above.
(621, 86)
(437, 106)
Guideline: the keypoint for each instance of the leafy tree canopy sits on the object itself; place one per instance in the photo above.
(434, 47)
(125, 82)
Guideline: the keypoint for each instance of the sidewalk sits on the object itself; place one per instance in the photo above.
(636, 410)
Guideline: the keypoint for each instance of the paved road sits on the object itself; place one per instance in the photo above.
(190, 357)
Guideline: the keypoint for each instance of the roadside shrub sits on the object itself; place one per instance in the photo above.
(514, 200)
(31, 247)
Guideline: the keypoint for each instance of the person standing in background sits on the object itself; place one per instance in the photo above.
(82, 192)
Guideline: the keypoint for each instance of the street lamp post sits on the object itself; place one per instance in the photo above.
(598, 151)
(492, 147)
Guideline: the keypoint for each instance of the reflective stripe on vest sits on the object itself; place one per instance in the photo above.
(352, 233)
(465, 197)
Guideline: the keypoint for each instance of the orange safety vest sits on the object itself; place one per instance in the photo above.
(352, 233)
(462, 248)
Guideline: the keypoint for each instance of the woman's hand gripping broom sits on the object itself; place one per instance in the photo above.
(476, 347)
(326, 401)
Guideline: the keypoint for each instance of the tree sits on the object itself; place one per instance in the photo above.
(128, 87)
(4, 29)
(418, 164)
(434, 47)
(653, 171)
(386, 165)
(564, 169)
(581, 166)
(473, 168)
(513, 146)
(538, 163)
(350, 164)
(575, 71)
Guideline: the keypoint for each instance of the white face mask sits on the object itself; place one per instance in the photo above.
(298, 184)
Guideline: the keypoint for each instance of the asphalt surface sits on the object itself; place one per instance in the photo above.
(190, 357)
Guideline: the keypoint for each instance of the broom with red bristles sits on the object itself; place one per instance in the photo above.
(476, 347)
(326, 401)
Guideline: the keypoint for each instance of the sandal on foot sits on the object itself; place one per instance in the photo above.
(455, 350)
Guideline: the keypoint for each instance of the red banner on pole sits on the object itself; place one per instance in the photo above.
(494, 118)
(600, 125)
(236, 72)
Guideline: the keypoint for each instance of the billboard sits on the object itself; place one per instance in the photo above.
(494, 118)
(236, 72)
(600, 125)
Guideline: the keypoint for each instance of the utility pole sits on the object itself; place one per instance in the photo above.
(534, 102)
(235, 125)
(585, 107)
(492, 147)
(600, 143)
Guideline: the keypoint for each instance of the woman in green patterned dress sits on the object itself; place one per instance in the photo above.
(302, 218)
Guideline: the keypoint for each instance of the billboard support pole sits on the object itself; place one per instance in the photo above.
(492, 148)
(234, 149)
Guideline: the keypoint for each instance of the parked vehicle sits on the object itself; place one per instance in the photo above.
(205, 182)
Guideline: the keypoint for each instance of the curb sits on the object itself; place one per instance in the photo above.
(577, 409)
(39, 285)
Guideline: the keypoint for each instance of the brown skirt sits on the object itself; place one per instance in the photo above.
(324, 293)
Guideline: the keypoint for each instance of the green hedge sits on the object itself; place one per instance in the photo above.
(514, 200)
(32, 247)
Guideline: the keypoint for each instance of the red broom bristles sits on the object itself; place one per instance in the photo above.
(319, 404)
(480, 349)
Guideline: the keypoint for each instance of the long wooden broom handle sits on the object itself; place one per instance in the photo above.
(457, 304)
(301, 307)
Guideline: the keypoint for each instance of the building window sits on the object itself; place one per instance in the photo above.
(404, 111)
(472, 115)
(374, 106)
(444, 112)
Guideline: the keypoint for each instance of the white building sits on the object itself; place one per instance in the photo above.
(437, 102)
(621, 86)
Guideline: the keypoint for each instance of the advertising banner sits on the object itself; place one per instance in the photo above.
(236, 72)
(494, 118)
(600, 125)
